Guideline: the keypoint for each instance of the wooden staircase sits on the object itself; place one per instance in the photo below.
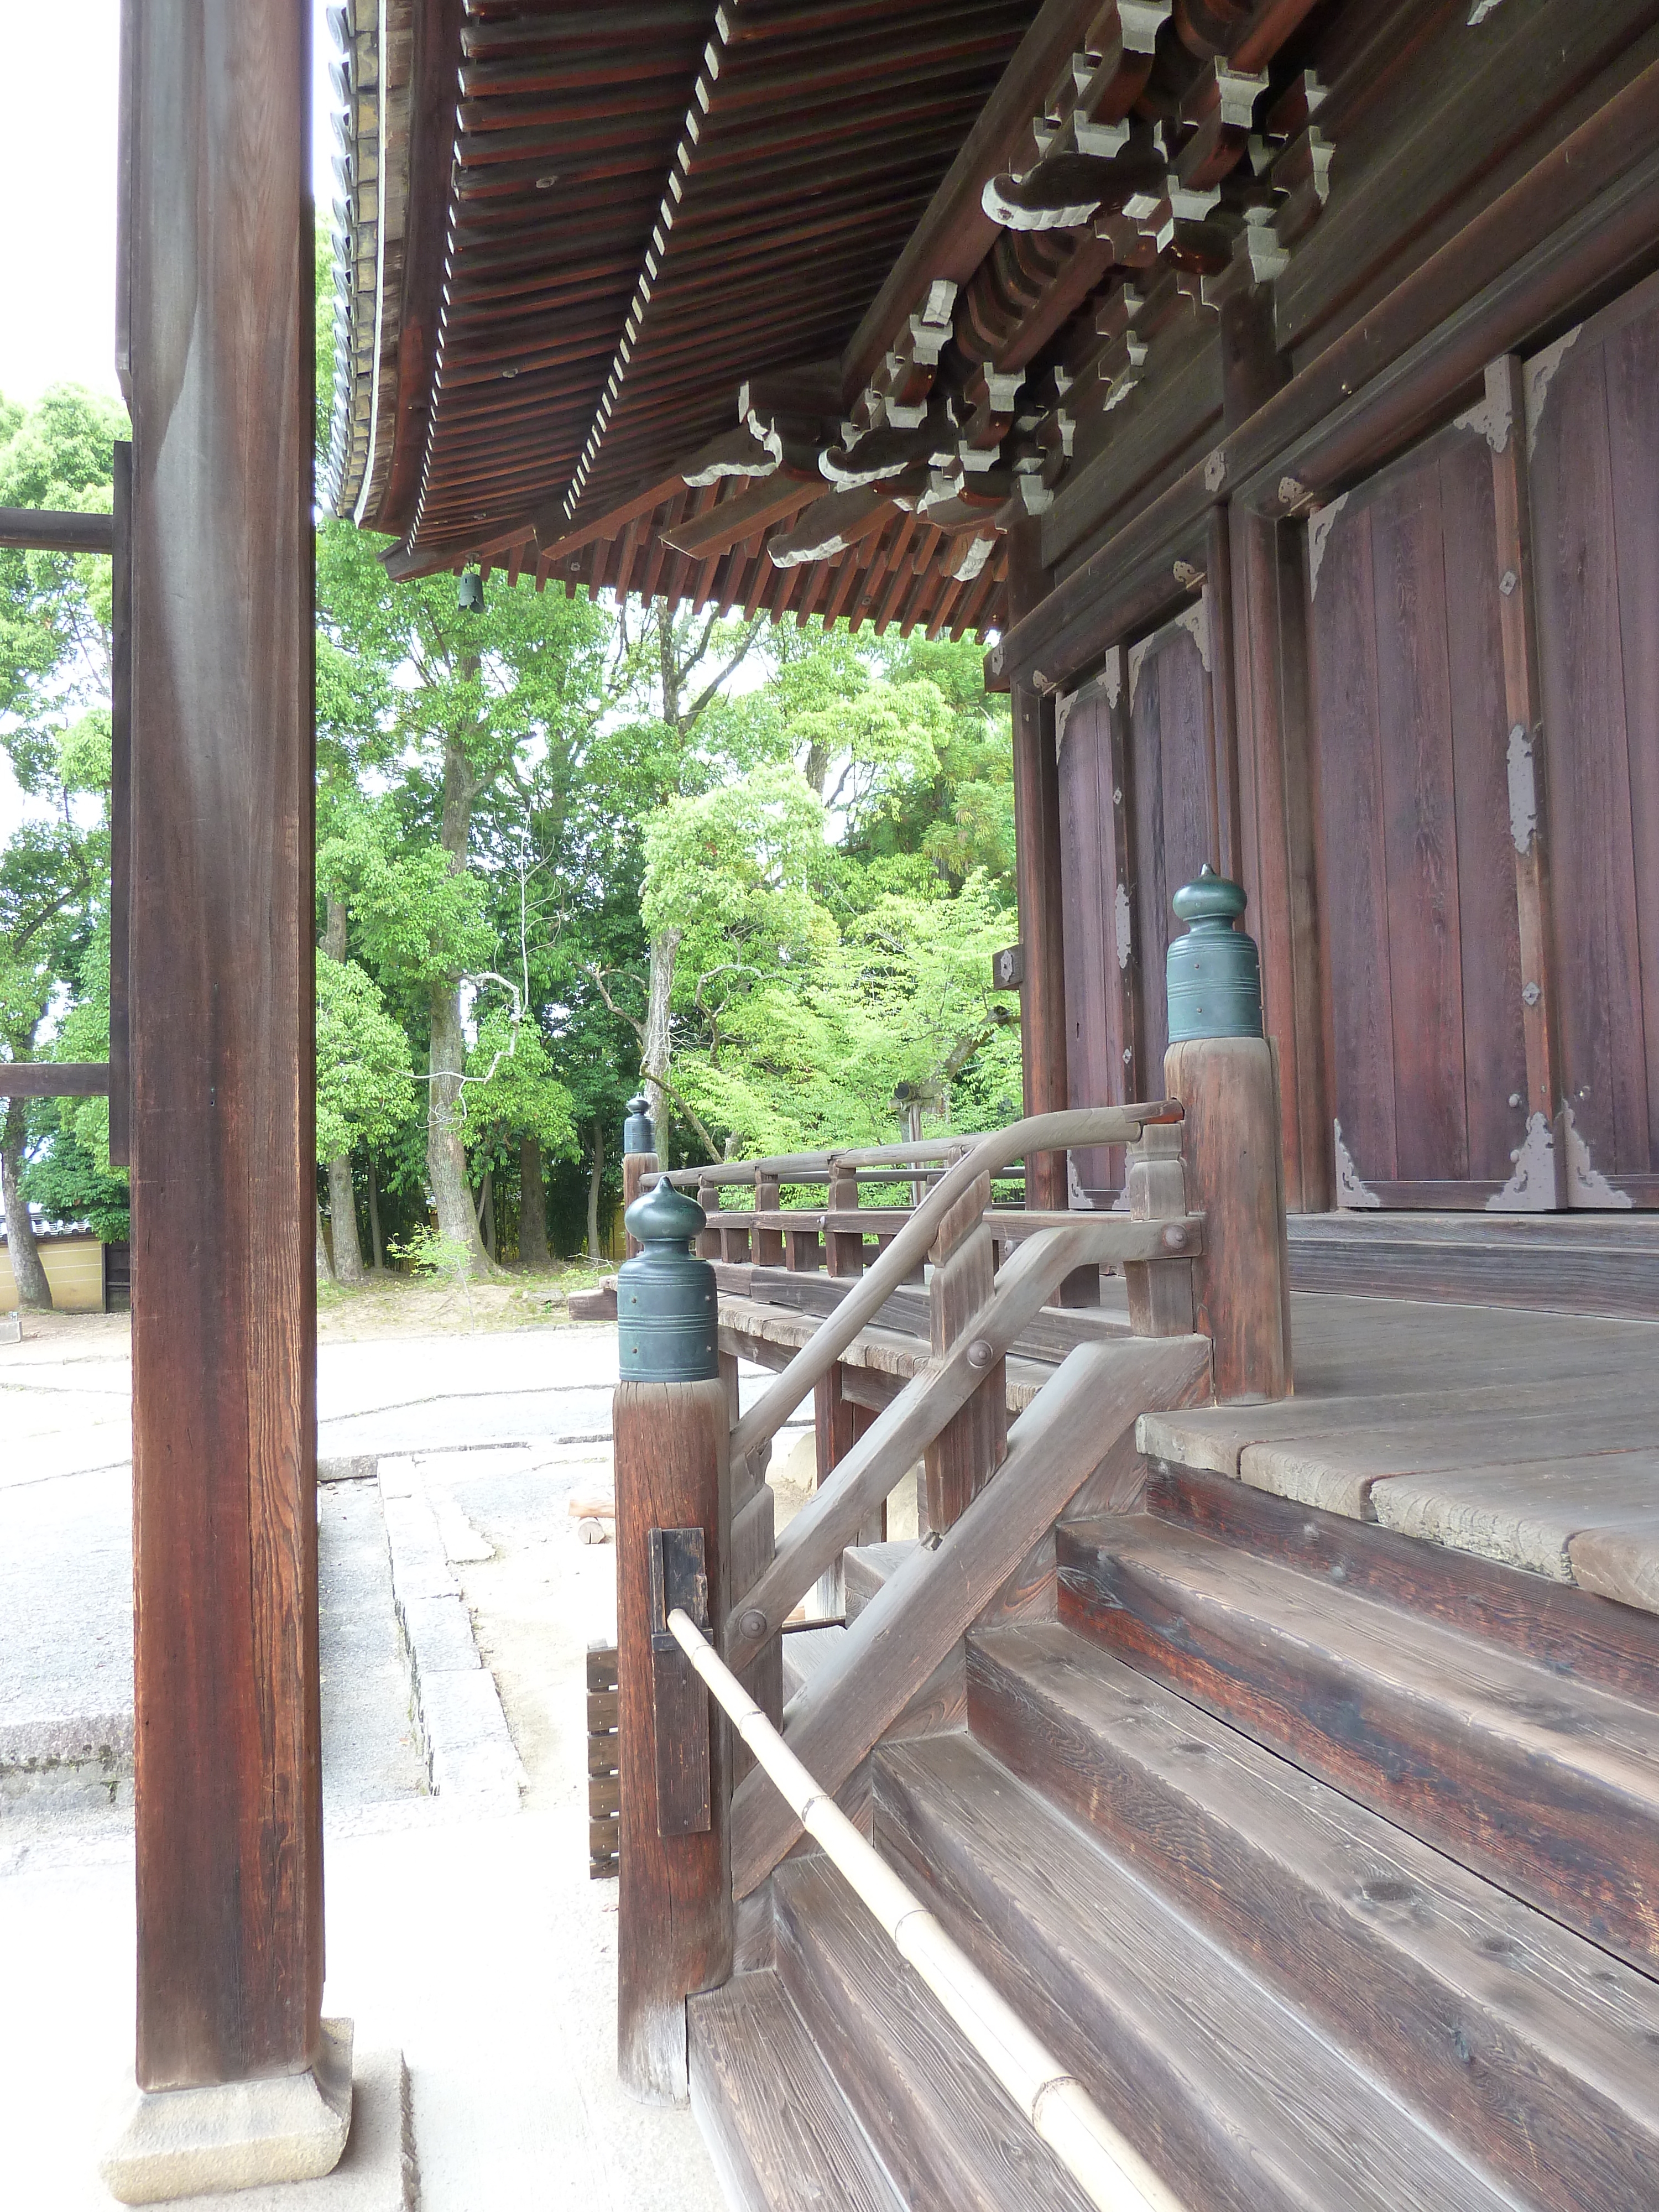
(1332, 1895)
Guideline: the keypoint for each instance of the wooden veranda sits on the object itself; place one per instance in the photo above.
(1271, 383)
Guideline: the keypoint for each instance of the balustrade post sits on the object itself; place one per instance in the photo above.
(1225, 1073)
(837, 1424)
(639, 1155)
(671, 1422)
(971, 1446)
(769, 1243)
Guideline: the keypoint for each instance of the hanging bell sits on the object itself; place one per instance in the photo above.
(468, 592)
(667, 1306)
(1213, 973)
(639, 1130)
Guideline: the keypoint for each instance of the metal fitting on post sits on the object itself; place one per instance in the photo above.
(1213, 974)
(667, 1316)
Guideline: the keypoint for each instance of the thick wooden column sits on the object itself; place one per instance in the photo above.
(219, 313)
(1277, 847)
(1036, 869)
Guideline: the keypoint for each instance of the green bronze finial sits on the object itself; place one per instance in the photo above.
(666, 1302)
(1213, 972)
(639, 1132)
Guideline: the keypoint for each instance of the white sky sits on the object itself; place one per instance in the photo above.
(58, 191)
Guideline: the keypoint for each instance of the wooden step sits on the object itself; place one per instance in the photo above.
(1550, 1787)
(943, 2126)
(1239, 2101)
(1535, 2051)
(1576, 1636)
(804, 1650)
(779, 2130)
(867, 1567)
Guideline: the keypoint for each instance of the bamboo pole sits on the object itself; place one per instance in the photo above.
(1106, 2166)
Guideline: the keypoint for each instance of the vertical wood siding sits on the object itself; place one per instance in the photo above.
(1594, 468)
(1417, 877)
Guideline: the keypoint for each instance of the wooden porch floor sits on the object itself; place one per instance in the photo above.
(1526, 1437)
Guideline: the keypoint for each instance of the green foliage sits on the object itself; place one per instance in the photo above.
(67, 1185)
(364, 1087)
(511, 1091)
(794, 1062)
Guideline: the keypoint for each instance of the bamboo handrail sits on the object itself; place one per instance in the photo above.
(1105, 2165)
(1091, 1125)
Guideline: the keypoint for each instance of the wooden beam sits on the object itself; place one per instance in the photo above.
(51, 530)
(771, 499)
(955, 235)
(53, 1078)
(1592, 203)
(228, 1782)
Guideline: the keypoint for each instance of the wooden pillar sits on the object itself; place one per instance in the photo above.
(1036, 870)
(674, 1904)
(1233, 1173)
(218, 305)
(1277, 847)
(837, 1424)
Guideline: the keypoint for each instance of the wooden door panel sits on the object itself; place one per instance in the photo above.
(1418, 885)
(1354, 891)
(1419, 837)
(1594, 451)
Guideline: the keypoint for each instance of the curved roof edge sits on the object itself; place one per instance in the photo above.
(372, 72)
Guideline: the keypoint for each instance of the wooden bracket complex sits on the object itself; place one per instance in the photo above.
(679, 1703)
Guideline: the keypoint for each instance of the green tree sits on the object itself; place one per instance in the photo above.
(463, 711)
(54, 726)
(364, 1089)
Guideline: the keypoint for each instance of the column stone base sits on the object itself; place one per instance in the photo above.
(239, 2134)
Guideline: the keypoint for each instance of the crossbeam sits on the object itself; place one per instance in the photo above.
(54, 1079)
(55, 530)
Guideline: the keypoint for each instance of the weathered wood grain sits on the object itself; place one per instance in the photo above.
(944, 2128)
(227, 1752)
(1525, 1512)
(1551, 1788)
(1621, 1563)
(904, 1632)
(674, 1910)
(1578, 1637)
(968, 1450)
(1038, 875)
(1239, 2099)
(1234, 1177)
(1378, 1938)
(778, 2129)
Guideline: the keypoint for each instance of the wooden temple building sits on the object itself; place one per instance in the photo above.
(1269, 1708)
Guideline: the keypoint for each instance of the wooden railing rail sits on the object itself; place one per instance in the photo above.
(988, 1155)
(1106, 2166)
(882, 1456)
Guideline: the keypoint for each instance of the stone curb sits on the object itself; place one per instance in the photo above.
(464, 1738)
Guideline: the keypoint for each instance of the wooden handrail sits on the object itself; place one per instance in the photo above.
(1093, 1125)
(1106, 2166)
(833, 1515)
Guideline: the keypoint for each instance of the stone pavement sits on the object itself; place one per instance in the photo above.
(462, 1924)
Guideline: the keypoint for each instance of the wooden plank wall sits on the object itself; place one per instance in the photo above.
(1417, 864)
(1592, 403)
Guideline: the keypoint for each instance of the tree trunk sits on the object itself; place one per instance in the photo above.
(324, 1265)
(487, 1212)
(665, 951)
(445, 1147)
(342, 1203)
(375, 1245)
(594, 1174)
(28, 1270)
(342, 1218)
(532, 1204)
